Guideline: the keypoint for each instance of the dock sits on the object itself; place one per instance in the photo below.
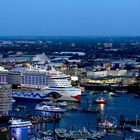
(80, 134)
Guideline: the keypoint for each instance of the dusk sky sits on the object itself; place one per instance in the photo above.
(69, 17)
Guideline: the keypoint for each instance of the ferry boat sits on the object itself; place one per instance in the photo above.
(47, 108)
(55, 103)
(19, 123)
(100, 100)
(44, 82)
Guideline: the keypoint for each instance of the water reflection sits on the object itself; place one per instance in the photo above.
(20, 133)
(43, 126)
(102, 107)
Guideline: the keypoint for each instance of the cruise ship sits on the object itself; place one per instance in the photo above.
(43, 82)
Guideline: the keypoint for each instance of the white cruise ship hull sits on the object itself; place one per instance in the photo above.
(66, 94)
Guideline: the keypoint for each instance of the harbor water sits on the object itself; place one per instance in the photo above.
(125, 105)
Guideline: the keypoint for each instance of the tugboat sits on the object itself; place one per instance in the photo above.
(100, 100)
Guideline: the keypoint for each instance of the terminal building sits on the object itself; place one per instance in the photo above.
(5, 99)
(5, 92)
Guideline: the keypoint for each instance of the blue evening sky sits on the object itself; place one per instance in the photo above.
(69, 17)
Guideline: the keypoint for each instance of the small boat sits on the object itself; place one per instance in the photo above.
(91, 110)
(74, 108)
(137, 96)
(100, 100)
(108, 124)
(62, 133)
(136, 129)
(46, 133)
(48, 108)
(112, 94)
(121, 92)
(19, 123)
